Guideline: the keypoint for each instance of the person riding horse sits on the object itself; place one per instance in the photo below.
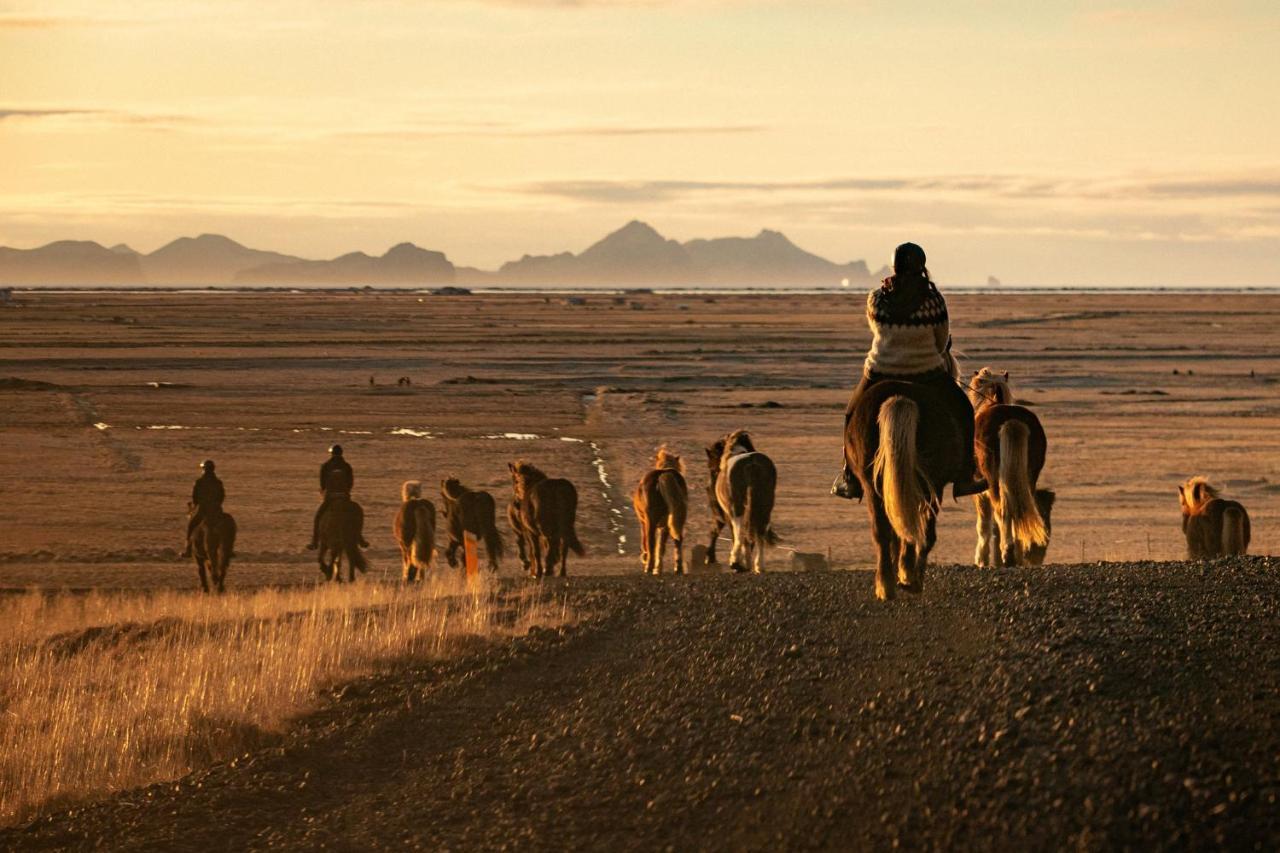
(336, 481)
(207, 496)
(911, 341)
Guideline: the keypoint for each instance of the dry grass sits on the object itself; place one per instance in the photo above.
(103, 692)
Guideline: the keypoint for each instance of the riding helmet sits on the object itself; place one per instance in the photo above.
(336, 450)
(206, 465)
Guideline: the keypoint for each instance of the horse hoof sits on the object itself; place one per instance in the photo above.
(738, 567)
(913, 588)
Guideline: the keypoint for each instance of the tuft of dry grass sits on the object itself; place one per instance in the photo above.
(108, 691)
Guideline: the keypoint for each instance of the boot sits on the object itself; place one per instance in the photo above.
(846, 485)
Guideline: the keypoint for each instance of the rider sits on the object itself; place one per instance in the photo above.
(336, 480)
(207, 495)
(911, 340)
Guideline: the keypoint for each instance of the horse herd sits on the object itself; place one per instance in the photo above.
(900, 440)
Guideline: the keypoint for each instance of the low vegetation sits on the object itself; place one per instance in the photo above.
(107, 691)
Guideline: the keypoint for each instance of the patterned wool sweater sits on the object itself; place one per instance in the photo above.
(906, 343)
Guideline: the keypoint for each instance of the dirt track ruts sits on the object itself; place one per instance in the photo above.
(1126, 705)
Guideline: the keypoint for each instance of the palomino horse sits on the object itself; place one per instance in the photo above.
(905, 445)
(1010, 445)
(341, 532)
(212, 544)
(415, 531)
(548, 509)
(473, 512)
(1214, 526)
(743, 481)
(661, 502)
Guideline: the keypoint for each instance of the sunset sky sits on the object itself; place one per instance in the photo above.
(1041, 142)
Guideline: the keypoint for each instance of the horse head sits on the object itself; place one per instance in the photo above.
(1195, 493)
(451, 489)
(715, 451)
(735, 443)
(523, 476)
(668, 460)
(988, 388)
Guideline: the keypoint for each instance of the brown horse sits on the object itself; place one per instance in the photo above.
(213, 544)
(1214, 526)
(415, 531)
(905, 446)
(743, 481)
(341, 532)
(661, 501)
(1010, 444)
(473, 512)
(548, 509)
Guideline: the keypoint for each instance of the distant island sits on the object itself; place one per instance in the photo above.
(633, 256)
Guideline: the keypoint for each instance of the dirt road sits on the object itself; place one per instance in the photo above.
(1087, 706)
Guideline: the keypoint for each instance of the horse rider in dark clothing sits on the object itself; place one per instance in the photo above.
(336, 480)
(207, 496)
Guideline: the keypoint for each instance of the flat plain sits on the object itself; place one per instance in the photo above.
(109, 401)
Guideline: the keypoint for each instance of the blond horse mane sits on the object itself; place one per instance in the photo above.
(668, 460)
(1197, 491)
(987, 387)
(736, 442)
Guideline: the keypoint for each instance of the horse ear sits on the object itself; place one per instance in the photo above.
(511, 466)
(976, 372)
(1006, 376)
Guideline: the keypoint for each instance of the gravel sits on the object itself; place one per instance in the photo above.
(1129, 705)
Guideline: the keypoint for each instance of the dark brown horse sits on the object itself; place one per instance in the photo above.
(548, 510)
(341, 532)
(1011, 446)
(905, 446)
(661, 501)
(473, 512)
(1214, 526)
(213, 544)
(743, 482)
(415, 531)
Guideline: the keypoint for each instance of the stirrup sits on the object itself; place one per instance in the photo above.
(846, 486)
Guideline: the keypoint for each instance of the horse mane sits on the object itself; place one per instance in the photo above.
(988, 387)
(668, 460)
(527, 473)
(411, 490)
(452, 488)
(737, 438)
(1198, 491)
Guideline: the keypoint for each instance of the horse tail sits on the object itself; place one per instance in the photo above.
(896, 470)
(355, 558)
(759, 504)
(424, 534)
(1017, 497)
(493, 541)
(1234, 538)
(410, 490)
(228, 539)
(570, 518)
(675, 494)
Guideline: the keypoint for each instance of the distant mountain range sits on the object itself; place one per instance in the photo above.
(634, 255)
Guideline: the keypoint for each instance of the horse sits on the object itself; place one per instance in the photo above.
(1010, 444)
(743, 481)
(473, 512)
(1213, 525)
(415, 531)
(341, 532)
(548, 508)
(661, 502)
(213, 545)
(903, 466)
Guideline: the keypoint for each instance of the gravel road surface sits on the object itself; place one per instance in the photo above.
(1107, 706)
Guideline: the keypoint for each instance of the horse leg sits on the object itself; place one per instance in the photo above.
(1008, 543)
(717, 525)
(204, 575)
(757, 555)
(906, 565)
(886, 546)
(647, 536)
(564, 557)
(736, 561)
(677, 546)
(536, 541)
(663, 536)
(982, 554)
(922, 556)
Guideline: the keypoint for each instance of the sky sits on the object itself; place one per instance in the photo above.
(1093, 143)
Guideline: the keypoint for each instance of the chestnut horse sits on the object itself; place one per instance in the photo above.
(743, 482)
(548, 509)
(473, 512)
(341, 532)
(661, 501)
(1214, 526)
(905, 446)
(415, 531)
(212, 544)
(1011, 447)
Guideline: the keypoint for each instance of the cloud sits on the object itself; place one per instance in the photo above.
(7, 113)
(513, 131)
(991, 186)
(153, 121)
